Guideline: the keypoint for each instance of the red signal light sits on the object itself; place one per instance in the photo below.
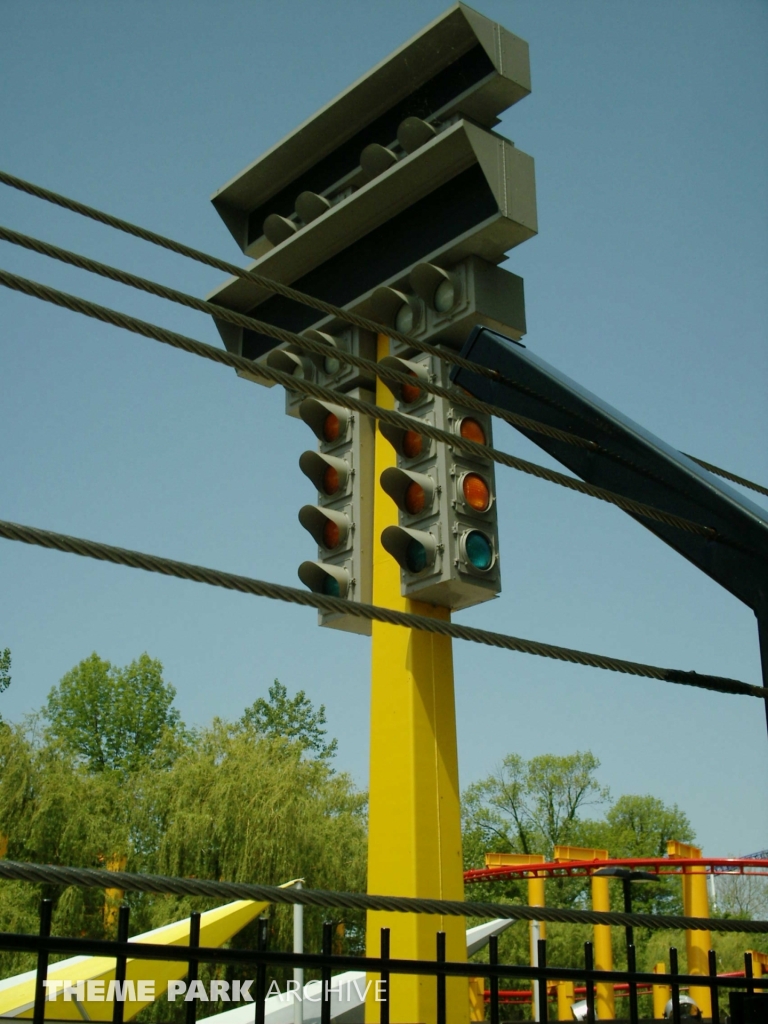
(410, 392)
(415, 498)
(331, 427)
(331, 480)
(477, 494)
(472, 431)
(412, 444)
(331, 535)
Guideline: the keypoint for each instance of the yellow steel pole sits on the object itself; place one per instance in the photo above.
(565, 1000)
(759, 963)
(605, 1002)
(661, 993)
(536, 896)
(414, 835)
(695, 904)
(477, 998)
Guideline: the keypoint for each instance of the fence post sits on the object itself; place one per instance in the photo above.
(118, 1006)
(632, 988)
(384, 953)
(541, 984)
(440, 979)
(714, 993)
(675, 987)
(325, 975)
(46, 909)
(194, 942)
(589, 966)
(493, 958)
(261, 971)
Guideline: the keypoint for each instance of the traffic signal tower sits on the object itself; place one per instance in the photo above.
(395, 202)
(446, 539)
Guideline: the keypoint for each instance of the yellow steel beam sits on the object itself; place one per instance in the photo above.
(536, 890)
(17, 995)
(661, 993)
(414, 839)
(605, 1002)
(565, 1000)
(695, 904)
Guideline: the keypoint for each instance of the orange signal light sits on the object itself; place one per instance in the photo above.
(412, 444)
(331, 534)
(331, 428)
(410, 392)
(477, 494)
(415, 498)
(472, 431)
(331, 481)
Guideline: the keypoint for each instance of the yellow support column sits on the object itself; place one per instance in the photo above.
(536, 889)
(661, 993)
(695, 904)
(565, 1000)
(759, 963)
(605, 1001)
(414, 835)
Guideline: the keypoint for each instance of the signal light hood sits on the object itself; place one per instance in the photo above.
(462, 63)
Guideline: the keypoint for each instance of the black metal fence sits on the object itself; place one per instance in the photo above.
(750, 1005)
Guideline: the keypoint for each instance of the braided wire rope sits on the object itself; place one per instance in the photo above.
(729, 476)
(386, 373)
(396, 419)
(336, 605)
(127, 881)
(276, 287)
(269, 284)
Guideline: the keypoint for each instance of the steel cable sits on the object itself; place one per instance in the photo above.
(292, 595)
(200, 348)
(92, 878)
(291, 293)
(729, 476)
(289, 337)
(249, 275)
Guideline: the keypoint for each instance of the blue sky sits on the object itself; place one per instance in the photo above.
(647, 284)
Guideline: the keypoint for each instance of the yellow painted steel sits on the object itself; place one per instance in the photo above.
(477, 998)
(695, 904)
(605, 1002)
(536, 889)
(414, 839)
(17, 995)
(565, 1000)
(759, 963)
(661, 993)
(113, 897)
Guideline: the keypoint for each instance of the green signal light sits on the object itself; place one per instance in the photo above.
(479, 550)
(331, 587)
(416, 556)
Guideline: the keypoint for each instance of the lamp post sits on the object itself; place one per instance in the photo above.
(627, 877)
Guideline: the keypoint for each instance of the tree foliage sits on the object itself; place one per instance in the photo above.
(532, 806)
(5, 671)
(109, 782)
(109, 717)
(293, 718)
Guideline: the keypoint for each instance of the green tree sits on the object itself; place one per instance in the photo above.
(293, 718)
(109, 717)
(532, 806)
(5, 671)
(641, 826)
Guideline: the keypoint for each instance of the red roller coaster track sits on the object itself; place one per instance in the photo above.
(657, 865)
